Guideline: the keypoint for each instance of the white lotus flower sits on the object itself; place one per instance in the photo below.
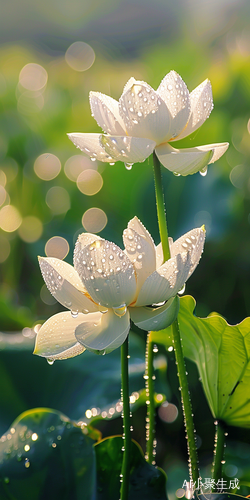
(107, 286)
(145, 120)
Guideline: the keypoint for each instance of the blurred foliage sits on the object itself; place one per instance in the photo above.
(199, 40)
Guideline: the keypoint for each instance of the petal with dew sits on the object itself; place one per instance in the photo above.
(140, 249)
(65, 285)
(90, 144)
(192, 242)
(201, 100)
(85, 239)
(156, 318)
(102, 334)
(144, 112)
(107, 273)
(218, 150)
(106, 112)
(128, 149)
(175, 94)
(183, 161)
(166, 282)
(56, 337)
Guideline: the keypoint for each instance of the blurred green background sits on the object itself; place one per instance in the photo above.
(52, 54)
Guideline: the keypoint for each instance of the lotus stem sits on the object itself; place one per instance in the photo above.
(125, 472)
(149, 382)
(219, 443)
(181, 368)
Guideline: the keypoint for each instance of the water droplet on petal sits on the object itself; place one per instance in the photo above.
(176, 174)
(50, 361)
(120, 310)
(74, 314)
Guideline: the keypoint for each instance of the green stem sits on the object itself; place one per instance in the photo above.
(218, 451)
(149, 377)
(186, 403)
(187, 409)
(161, 208)
(125, 472)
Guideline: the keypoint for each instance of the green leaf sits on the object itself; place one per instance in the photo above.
(146, 481)
(222, 355)
(45, 455)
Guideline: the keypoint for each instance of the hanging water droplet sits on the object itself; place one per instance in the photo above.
(182, 290)
(120, 310)
(176, 174)
(50, 361)
(74, 314)
(26, 463)
(203, 171)
(128, 166)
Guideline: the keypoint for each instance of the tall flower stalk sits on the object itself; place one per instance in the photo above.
(125, 472)
(218, 451)
(149, 383)
(181, 369)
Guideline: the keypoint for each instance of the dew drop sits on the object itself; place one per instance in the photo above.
(203, 172)
(182, 289)
(128, 166)
(26, 463)
(176, 174)
(50, 361)
(74, 314)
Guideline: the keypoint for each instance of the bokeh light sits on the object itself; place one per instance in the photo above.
(33, 77)
(89, 182)
(58, 200)
(31, 229)
(3, 178)
(4, 248)
(94, 220)
(76, 164)
(3, 195)
(46, 296)
(239, 176)
(47, 166)
(180, 493)
(10, 218)
(168, 412)
(10, 169)
(57, 247)
(80, 56)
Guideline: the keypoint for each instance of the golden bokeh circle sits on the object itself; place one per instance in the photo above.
(31, 229)
(47, 166)
(89, 182)
(57, 247)
(94, 220)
